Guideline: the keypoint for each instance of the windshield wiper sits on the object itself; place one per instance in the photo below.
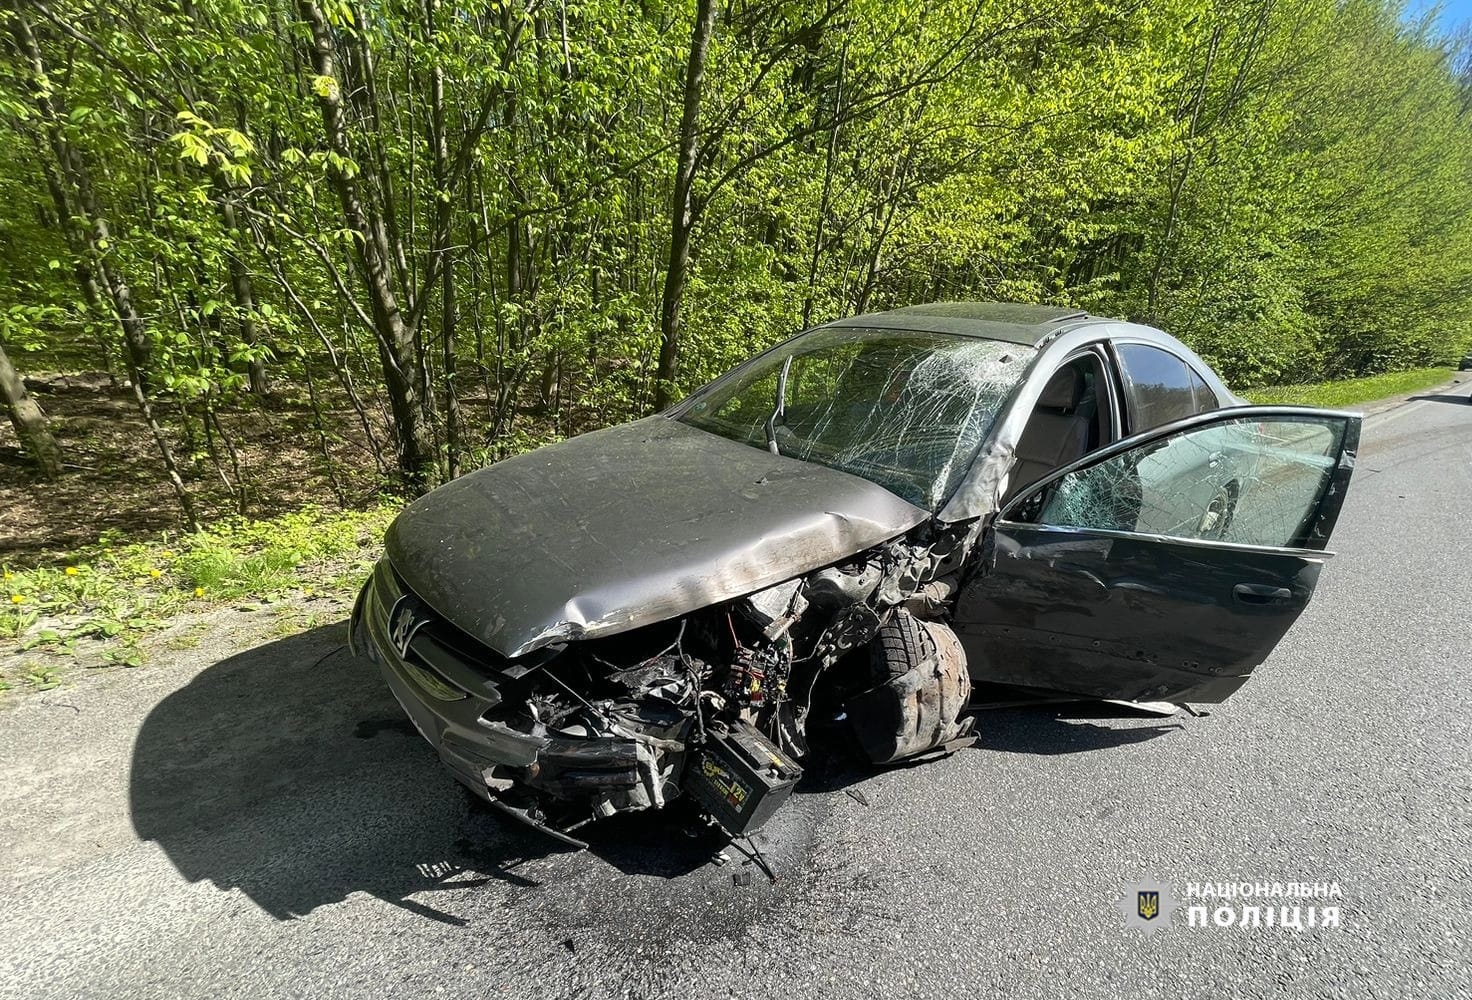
(779, 411)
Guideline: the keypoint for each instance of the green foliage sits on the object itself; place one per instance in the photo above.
(1323, 198)
(1288, 187)
(242, 558)
(42, 678)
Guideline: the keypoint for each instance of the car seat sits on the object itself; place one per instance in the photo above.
(1060, 431)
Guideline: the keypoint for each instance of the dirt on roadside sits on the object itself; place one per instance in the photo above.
(115, 481)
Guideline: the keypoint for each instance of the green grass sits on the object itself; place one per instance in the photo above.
(117, 592)
(1349, 392)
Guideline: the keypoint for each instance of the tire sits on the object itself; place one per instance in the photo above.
(1217, 519)
(921, 687)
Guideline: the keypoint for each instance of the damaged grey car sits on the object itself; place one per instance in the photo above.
(863, 533)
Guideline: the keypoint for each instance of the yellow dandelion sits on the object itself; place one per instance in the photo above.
(71, 571)
(6, 575)
(198, 591)
(168, 554)
(17, 599)
(155, 573)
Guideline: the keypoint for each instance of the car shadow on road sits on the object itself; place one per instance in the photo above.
(1064, 728)
(1460, 399)
(289, 772)
(1044, 729)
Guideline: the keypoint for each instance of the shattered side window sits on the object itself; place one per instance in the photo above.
(903, 409)
(1248, 481)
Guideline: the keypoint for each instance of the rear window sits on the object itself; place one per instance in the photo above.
(1161, 387)
(1205, 398)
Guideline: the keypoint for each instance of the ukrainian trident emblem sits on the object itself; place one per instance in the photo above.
(1147, 905)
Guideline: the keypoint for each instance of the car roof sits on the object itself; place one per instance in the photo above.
(1009, 321)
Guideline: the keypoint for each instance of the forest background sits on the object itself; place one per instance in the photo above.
(259, 256)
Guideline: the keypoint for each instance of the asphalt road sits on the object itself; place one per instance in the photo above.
(265, 824)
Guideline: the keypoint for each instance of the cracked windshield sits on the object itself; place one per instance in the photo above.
(902, 409)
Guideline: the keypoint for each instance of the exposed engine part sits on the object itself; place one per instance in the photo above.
(740, 777)
(757, 675)
(922, 688)
(839, 586)
(777, 608)
(666, 678)
(633, 762)
(852, 627)
(933, 598)
(780, 721)
(716, 704)
(911, 564)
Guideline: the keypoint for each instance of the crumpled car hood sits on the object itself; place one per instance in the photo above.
(625, 527)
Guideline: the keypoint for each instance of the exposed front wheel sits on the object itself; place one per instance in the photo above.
(921, 687)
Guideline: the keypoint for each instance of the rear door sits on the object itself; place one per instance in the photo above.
(1164, 567)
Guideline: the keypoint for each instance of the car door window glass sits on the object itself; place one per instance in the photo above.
(1250, 482)
(1159, 386)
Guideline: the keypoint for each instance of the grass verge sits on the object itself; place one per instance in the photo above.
(1349, 392)
(116, 593)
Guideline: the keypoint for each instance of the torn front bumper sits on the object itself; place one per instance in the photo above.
(453, 694)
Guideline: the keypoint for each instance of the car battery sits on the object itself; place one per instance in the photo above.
(739, 776)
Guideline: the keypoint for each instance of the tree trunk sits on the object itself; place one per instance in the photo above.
(372, 257)
(171, 467)
(452, 391)
(29, 421)
(825, 201)
(92, 236)
(683, 209)
(443, 253)
(240, 284)
(92, 233)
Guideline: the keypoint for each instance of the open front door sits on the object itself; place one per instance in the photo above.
(1165, 567)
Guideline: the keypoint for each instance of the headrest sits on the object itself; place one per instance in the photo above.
(1063, 390)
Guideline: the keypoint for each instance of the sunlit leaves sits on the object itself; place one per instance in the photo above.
(326, 87)
(1315, 217)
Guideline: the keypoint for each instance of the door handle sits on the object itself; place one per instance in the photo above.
(1261, 594)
